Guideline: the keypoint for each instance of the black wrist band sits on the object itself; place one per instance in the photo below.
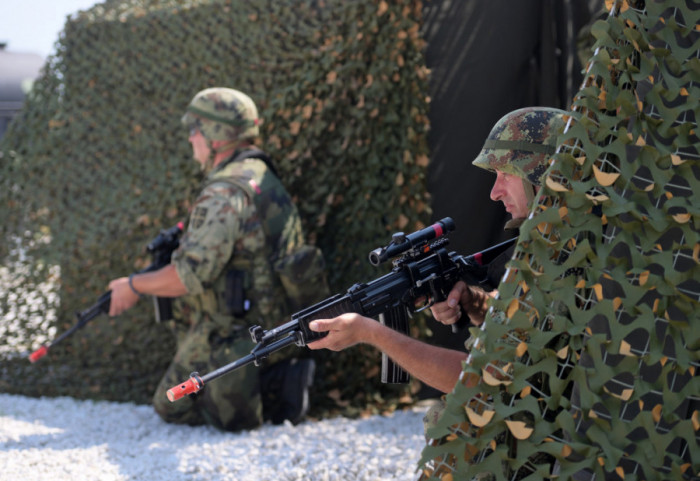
(131, 284)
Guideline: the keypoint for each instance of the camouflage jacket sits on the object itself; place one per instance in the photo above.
(225, 256)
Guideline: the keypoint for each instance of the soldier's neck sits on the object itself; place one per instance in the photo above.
(229, 150)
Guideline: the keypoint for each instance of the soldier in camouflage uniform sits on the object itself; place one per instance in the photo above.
(222, 274)
(517, 149)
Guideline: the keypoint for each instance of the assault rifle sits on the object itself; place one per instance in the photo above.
(161, 249)
(423, 273)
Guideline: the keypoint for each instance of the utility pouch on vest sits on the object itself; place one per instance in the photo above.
(236, 302)
(303, 276)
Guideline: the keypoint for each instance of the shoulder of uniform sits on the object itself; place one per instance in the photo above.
(225, 186)
(254, 160)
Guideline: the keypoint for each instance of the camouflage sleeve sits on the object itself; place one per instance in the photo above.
(213, 228)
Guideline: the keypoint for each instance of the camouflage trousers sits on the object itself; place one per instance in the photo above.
(231, 402)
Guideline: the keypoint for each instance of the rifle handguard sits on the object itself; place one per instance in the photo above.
(191, 386)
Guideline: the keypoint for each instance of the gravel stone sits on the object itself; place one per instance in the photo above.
(75, 440)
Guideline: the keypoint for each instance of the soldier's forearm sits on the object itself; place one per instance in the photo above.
(161, 283)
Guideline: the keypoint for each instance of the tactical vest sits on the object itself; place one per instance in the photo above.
(299, 267)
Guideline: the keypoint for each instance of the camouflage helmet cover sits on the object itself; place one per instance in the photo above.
(522, 142)
(222, 114)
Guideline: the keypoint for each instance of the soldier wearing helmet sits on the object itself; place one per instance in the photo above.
(222, 274)
(220, 120)
(517, 150)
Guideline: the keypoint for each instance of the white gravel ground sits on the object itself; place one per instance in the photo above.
(66, 439)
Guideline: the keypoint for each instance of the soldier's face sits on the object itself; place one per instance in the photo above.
(200, 149)
(510, 190)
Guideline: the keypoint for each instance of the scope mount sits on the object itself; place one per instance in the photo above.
(419, 251)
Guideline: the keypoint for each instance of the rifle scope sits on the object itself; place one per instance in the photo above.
(401, 243)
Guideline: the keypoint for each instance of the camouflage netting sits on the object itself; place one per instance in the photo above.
(589, 358)
(98, 163)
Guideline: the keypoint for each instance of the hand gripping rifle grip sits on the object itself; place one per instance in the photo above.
(191, 386)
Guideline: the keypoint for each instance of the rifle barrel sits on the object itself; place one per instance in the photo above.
(197, 382)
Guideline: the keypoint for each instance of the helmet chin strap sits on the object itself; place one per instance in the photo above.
(529, 190)
(227, 146)
(215, 151)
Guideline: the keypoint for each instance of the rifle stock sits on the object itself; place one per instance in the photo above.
(423, 275)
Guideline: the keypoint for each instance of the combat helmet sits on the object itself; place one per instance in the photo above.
(222, 114)
(522, 143)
